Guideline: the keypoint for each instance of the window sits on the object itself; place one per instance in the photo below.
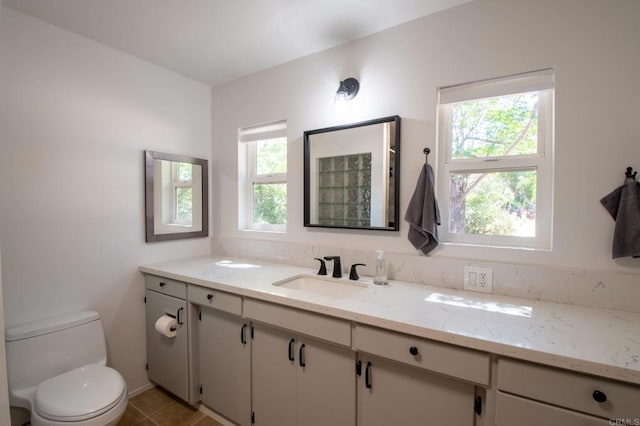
(495, 164)
(262, 154)
(177, 196)
(182, 194)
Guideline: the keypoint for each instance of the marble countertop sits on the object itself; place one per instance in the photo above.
(589, 340)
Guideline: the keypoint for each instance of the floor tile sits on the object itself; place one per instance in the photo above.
(152, 401)
(207, 421)
(146, 422)
(131, 416)
(177, 414)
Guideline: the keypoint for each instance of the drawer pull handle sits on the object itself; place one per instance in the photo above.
(162, 284)
(209, 296)
(291, 342)
(599, 396)
(413, 350)
(367, 376)
(301, 356)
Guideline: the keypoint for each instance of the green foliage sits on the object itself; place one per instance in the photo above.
(494, 203)
(270, 199)
(184, 204)
(270, 203)
(271, 155)
(505, 125)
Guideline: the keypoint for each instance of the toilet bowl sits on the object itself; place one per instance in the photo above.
(57, 370)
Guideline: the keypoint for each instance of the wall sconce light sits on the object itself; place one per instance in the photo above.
(348, 89)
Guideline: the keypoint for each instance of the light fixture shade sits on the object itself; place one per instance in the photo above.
(348, 88)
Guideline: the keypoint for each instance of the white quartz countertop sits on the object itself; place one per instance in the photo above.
(589, 340)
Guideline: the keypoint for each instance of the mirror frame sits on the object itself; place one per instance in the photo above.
(396, 178)
(151, 235)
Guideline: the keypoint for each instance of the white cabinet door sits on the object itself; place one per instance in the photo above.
(513, 410)
(390, 393)
(167, 357)
(273, 371)
(301, 381)
(225, 364)
(326, 384)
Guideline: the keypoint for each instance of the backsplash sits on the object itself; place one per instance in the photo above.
(611, 290)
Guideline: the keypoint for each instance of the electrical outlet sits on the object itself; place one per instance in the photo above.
(478, 279)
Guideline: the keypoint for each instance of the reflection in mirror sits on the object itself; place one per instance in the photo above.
(176, 200)
(351, 175)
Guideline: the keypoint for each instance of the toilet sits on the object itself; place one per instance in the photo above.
(57, 370)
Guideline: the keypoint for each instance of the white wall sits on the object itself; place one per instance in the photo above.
(75, 117)
(592, 44)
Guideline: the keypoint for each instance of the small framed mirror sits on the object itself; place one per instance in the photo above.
(351, 175)
(176, 200)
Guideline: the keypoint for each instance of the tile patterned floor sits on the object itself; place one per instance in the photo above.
(156, 407)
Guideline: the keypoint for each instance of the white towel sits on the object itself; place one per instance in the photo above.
(423, 214)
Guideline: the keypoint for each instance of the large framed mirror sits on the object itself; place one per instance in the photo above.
(352, 175)
(176, 200)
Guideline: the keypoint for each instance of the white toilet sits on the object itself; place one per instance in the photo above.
(57, 370)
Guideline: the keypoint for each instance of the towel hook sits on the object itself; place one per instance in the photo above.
(426, 152)
(628, 173)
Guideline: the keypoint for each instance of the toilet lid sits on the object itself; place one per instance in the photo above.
(79, 394)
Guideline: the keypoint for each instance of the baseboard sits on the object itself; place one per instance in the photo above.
(215, 416)
(141, 389)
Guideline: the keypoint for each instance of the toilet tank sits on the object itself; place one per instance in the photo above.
(46, 348)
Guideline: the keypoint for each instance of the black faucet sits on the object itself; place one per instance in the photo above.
(323, 267)
(353, 275)
(337, 266)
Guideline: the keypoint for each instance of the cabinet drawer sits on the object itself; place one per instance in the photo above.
(215, 299)
(166, 286)
(466, 364)
(316, 325)
(513, 410)
(568, 389)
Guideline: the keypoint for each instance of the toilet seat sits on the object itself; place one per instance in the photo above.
(79, 394)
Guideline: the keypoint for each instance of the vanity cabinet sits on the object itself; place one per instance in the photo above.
(530, 394)
(407, 380)
(299, 379)
(224, 354)
(167, 357)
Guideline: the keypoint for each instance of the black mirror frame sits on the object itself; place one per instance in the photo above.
(396, 178)
(151, 236)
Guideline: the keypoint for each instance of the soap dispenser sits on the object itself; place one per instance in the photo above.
(380, 277)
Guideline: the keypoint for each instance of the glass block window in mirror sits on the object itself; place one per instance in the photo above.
(344, 190)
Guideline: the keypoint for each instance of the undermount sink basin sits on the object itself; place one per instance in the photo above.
(331, 287)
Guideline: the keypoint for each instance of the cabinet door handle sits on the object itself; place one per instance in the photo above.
(301, 356)
(243, 334)
(367, 376)
(178, 319)
(291, 342)
(209, 296)
(599, 396)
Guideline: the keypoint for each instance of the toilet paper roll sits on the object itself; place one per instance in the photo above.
(166, 326)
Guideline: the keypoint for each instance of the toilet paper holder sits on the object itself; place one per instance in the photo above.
(177, 318)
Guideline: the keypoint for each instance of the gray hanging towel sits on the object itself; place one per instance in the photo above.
(623, 204)
(423, 214)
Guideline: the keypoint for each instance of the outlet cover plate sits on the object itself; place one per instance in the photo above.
(478, 279)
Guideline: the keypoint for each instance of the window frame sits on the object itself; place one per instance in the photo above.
(542, 161)
(248, 139)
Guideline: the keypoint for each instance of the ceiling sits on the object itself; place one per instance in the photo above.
(216, 41)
